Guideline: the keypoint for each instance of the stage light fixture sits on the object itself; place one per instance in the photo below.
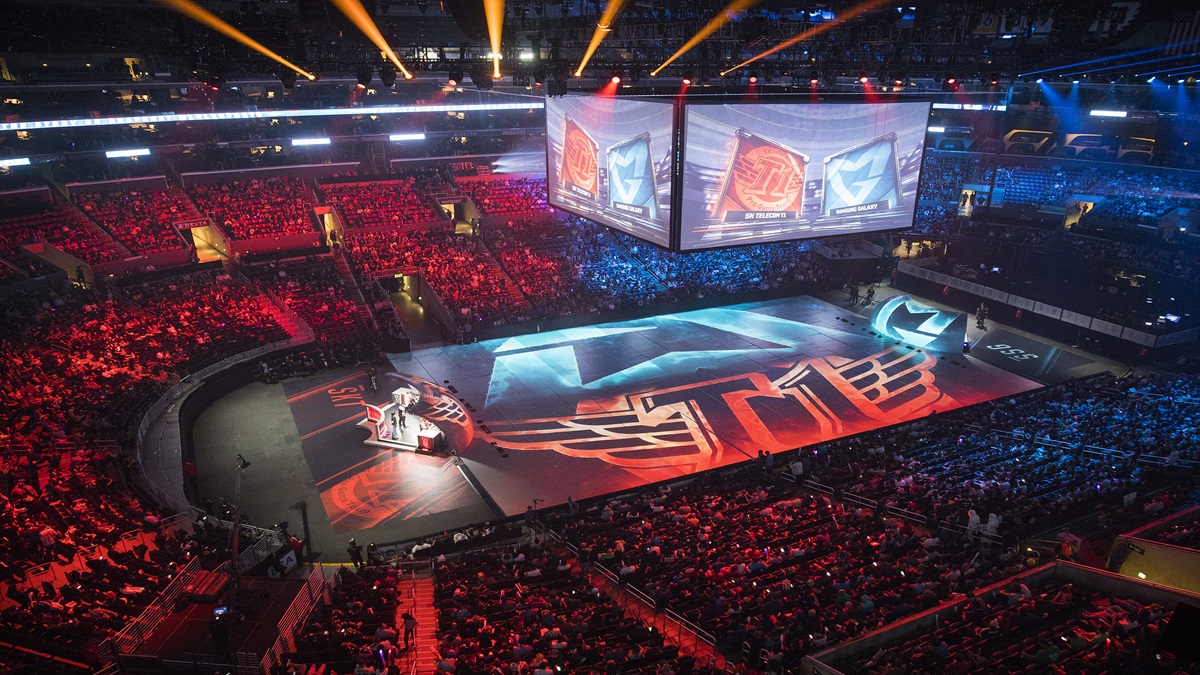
(753, 79)
(387, 75)
(732, 9)
(287, 78)
(616, 79)
(603, 28)
(201, 15)
(864, 79)
(482, 78)
(358, 15)
(363, 75)
(849, 14)
(454, 78)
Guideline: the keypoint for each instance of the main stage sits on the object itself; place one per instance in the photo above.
(586, 411)
(578, 412)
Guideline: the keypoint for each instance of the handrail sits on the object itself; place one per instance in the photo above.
(141, 627)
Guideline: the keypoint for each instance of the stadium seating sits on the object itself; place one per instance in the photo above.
(251, 208)
(143, 220)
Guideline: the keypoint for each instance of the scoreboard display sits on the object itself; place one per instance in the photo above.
(764, 172)
(690, 176)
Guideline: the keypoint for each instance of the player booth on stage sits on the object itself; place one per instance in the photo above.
(393, 425)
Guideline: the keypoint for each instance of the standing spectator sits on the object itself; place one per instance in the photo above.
(410, 629)
(355, 550)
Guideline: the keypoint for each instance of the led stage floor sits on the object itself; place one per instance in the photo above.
(586, 411)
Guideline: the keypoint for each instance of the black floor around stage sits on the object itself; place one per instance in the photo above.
(581, 412)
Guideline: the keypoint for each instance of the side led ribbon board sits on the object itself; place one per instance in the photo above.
(904, 319)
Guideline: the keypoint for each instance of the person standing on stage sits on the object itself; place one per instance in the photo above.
(355, 550)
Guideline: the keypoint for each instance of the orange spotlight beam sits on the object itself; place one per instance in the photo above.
(357, 14)
(853, 12)
(493, 11)
(603, 28)
(711, 27)
(201, 15)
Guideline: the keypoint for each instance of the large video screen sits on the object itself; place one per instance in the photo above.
(762, 172)
(609, 160)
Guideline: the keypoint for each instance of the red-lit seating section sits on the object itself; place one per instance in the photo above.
(503, 196)
(252, 208)
(466, 278)
(143, 220)
(505, 610)
(314, 290)
(381, 203)
(60, 226)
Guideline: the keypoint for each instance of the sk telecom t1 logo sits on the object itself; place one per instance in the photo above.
(764, 181)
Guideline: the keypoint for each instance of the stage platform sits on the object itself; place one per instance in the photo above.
(586, 411)
(577, 413)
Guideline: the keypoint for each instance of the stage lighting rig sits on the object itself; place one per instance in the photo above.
(387, 75)
(363, 75)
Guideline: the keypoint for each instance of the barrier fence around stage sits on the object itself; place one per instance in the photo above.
(187, 385)
(1124, 333)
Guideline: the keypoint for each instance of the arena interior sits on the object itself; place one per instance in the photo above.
(530, 338)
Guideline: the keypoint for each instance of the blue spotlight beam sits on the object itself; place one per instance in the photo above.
(1102, 59)
(1135, 64)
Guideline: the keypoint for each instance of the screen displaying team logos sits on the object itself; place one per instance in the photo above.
(902, 318)
(632, 187)
(864, 179)
(747, 176)
(765, 180)
(628, 187)
(580, 171)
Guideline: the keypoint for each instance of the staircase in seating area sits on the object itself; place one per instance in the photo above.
(511, 289)
(192, 212)
(418, 601)
(365, 316)
(295, 327)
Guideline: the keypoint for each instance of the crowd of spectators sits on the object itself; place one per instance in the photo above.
(250, 208)
(732, 271)
(530, 610)
(1051, 456)
(76, 369)
(382, 203)
(571, 267)
(468, 281)
(315, 291)
(142, 220)
(764, 567)
(83, 359)
(60, 226)
(1185, 534)
(1177, 262)
(108, 586)
(506, 196)
(1057, 629)
(356, 631)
